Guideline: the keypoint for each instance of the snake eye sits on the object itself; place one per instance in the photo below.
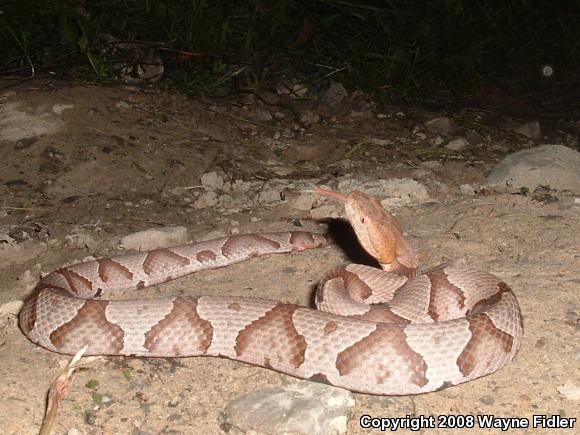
(362, 220)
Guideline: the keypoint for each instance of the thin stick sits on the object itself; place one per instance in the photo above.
(58, 390)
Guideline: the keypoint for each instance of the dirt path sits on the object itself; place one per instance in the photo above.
(83, 166)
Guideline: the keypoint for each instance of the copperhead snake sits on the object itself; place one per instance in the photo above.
(381, 331)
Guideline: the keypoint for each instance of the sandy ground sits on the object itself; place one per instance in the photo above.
(100, 163)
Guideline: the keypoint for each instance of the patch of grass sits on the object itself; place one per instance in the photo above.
(97, 397)
(395, 48)
(128, 375)
(93, 384)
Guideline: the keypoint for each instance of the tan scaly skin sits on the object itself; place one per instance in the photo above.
(378, 232)
(375, 331)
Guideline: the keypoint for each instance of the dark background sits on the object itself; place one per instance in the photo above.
(432, 51)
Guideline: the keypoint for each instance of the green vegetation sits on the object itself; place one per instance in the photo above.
(93, 384)
(127, 375)
(393, 48)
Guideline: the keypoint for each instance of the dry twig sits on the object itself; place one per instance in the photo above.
(58, 390)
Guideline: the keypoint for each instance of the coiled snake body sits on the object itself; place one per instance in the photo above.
(376, 331)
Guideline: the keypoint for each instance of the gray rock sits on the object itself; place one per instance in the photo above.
(303, 408)
(335, 94)
(263, 114)
(530, 130)
(213, 180)
(438, 140)
(18, 253)
(155, 238)
(299, 91)
(10, 308)
(326, 211)
(17, 122)
(305, 201)
(404, 191)
(398, 191)
(441, 125)
(569, 391)
(487, 399)
(468, 189)
(431, 164)
(379, 141)
(309, 117)
(553, 166)
(241, 186)
(271, 193)
(60, 108)
(205, 200)
(214, 234)
(457, 144)
(301, 152)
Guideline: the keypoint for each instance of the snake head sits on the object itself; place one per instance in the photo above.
(378, 232)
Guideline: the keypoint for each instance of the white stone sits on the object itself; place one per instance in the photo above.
(60, 108)
(19, 122)
(404, 191)
(155, 238)
(299, 91)
(553, 166)
(335, 94)
(467, 189)
(301, 408)
(305, 201)
(457, 144)
(326, 211)
(530, 130)
(213, 180)
(396, 192)
(440, 125)
(270, 195)
(10, 308)
(205, 200)
(431, 164)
